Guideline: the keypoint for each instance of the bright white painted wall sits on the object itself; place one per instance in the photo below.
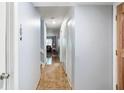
(29, 47)
(67, 45)
(53, 32)
(63, 42)
(16, 46)
(70, 50)
(93, 47)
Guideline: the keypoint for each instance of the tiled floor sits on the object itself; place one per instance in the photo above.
(53, 77)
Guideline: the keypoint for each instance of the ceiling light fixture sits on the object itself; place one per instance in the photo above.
(54, 22)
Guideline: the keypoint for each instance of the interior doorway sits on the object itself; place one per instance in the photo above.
(54, 71)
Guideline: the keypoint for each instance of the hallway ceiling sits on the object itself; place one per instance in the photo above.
(56, 11)
(39, 4)
(53, 15)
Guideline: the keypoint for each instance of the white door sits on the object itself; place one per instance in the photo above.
(3, 83)
(45, 36)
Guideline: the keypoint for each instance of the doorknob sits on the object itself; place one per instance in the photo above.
(4, 76)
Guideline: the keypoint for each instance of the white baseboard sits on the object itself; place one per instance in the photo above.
(69, 81)
(37, 84)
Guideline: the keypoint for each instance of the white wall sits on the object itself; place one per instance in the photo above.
(53, 32)
(93, 47)
(70, 50)
(29, 47)
(63, 42)
(67, 45)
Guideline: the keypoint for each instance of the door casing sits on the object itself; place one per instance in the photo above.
(120, 47)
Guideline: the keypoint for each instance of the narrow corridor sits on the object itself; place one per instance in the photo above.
(53, 77)
(61, 46)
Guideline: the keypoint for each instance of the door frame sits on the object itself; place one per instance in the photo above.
(45, 37)
(119, 53)
(10, 44)
(115, 44)
(12, 36)
(9, 28)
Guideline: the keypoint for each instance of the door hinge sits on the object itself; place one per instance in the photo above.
(116, 18)
(116, 87)
(116, 52)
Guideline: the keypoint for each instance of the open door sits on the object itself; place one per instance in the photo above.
(120, 46)
(3, 65)
(43, 42)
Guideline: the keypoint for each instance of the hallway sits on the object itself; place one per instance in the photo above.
(53, 77)
(82, 35)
